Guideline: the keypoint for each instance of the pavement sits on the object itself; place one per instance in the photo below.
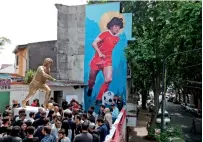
(183, 118)
(139, 133)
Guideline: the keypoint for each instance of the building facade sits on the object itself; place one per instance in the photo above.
(31, 55)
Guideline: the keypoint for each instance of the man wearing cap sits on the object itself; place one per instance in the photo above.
(95, 134)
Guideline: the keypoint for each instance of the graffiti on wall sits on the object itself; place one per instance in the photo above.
(5, 84)
(105, 67)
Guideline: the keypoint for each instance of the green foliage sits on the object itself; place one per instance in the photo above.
(170, 132)
(3, 41)
(163, 28)
(29, 76)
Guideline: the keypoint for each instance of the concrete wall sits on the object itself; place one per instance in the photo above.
(70, 42)
(39, 51)
(19, 92)
(22, 57)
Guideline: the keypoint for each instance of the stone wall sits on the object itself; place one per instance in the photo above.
(39, 51)
(70, 42)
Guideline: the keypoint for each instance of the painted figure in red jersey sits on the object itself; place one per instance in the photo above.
(102, 60)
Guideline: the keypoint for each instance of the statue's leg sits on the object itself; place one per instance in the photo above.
(47, 95)
(32, 91)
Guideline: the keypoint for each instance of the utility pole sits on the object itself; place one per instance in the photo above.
(164, 84)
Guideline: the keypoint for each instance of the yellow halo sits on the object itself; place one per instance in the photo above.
(106, 17)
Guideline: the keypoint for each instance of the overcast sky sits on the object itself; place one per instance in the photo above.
(27, 21)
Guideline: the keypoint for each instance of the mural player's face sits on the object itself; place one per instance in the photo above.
(115, 29)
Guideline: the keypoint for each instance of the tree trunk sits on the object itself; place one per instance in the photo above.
(179, 96)
(144, 98)
(156, 89)
(184, 96)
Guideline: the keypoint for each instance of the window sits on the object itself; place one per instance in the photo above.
(17, 60)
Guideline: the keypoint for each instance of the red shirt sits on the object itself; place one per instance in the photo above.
(34, 104)
(106, 46)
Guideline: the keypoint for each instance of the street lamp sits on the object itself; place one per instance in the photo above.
(164, 83)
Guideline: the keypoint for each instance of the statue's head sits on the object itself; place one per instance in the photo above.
(48, 62)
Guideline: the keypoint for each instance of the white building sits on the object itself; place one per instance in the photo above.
(59, 91)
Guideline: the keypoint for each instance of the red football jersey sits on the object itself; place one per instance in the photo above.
(106, 46)
(108, 42)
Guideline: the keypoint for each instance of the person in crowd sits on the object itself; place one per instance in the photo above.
(28, 123)
(102, 129)
(13, 137)
(64, 104)
(61, 111)
(38, 113)
(94, 114)
(31, 116)
(85, 136)
(54, 118)
(5, 125)
(84, 118)
(30, 137)
(51, 100)
(40, 121)
(95, 134)
(62, 136)
(115, 112)
(16, 102)
(38, 132)
(56, 111)
(50, 114)
(69, 125)
(23, 130)
(68, 109)
(101, 111)
(5, 113)
(108, 117)
(34, 103)
(91, 118)
(120, 103)
(78, 129)
(21, 111)
(20, 119)
(55, 128)
(46, 131)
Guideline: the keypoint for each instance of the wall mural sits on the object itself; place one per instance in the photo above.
(105, 67)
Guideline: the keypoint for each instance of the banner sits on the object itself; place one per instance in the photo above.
(105, 67)
(118, 131)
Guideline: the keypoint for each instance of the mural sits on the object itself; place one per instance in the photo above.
(105, 66)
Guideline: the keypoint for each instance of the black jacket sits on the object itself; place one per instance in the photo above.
(10, 139)
(96, 136)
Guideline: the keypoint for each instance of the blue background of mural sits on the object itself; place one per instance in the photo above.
(118, 85)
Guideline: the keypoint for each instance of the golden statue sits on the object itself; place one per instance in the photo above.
(39, 82)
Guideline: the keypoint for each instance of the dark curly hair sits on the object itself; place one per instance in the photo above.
(115, 21)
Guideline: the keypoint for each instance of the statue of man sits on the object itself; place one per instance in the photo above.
(39, 82)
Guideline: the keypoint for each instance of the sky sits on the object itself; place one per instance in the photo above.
(27, 21)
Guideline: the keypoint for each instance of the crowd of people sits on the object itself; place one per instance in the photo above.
(67, 122)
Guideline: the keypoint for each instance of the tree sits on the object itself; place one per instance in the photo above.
(3, 41)
(160, 29)
(29, 76)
